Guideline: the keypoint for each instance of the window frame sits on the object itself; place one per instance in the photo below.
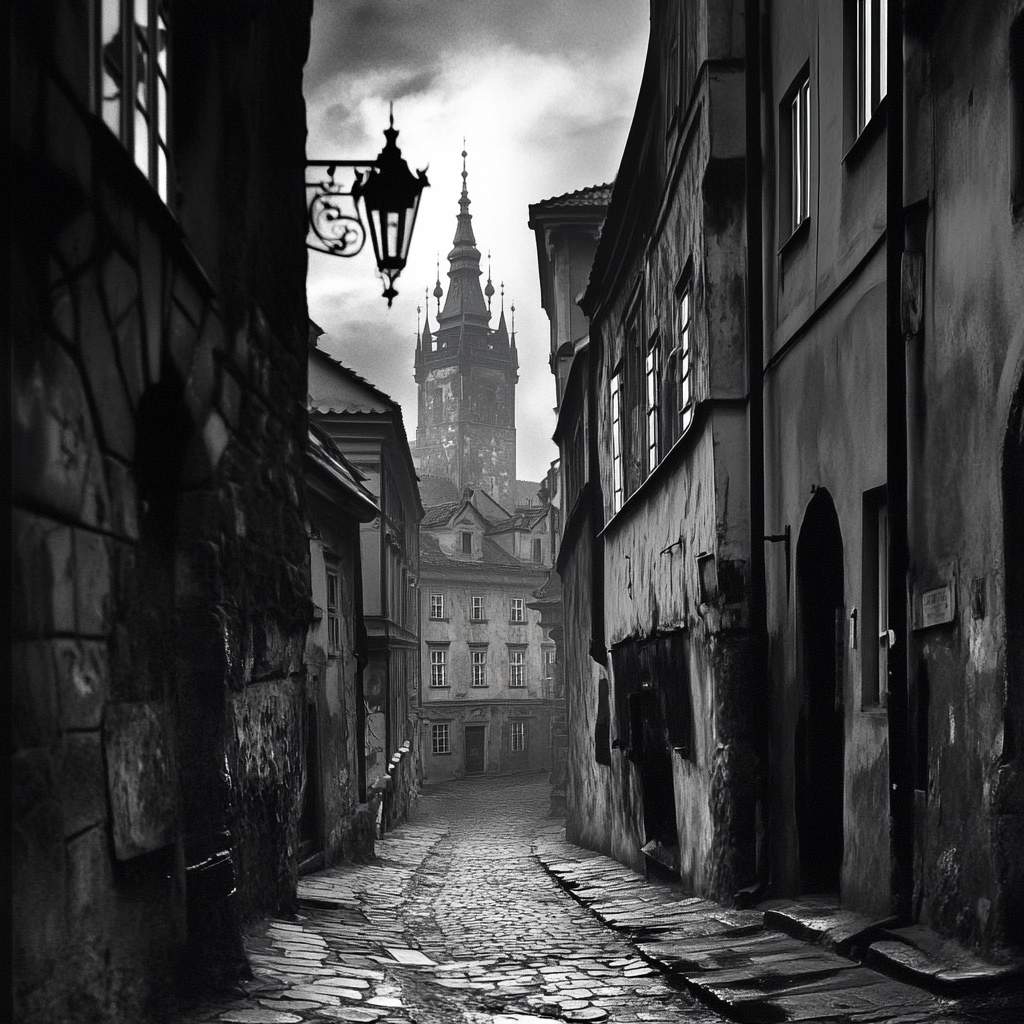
(652, 403)
(151, 95)
(437, 604)
(615, 387)
(467, 542)
(440, 738)
(870, 41)
(799, 139)
(333, 612)
(477, 603)
(478, 667)
(517, 668)
(538, 550)
(438, 662)
(517, 736)
(517, 609)
(683, 404)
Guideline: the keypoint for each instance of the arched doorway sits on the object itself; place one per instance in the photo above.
(819, 728)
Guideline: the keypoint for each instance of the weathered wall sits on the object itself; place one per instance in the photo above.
(496, 719)
(156, 488)
(964, 368)
(824, 402)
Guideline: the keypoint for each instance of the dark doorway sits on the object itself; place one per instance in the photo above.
(475, 749)
(819, 726)
(651, 750)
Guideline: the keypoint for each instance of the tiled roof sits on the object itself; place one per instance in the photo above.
(593, 195)
(438, 515)
(524, 519)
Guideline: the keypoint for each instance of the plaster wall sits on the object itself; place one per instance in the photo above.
(964, 368)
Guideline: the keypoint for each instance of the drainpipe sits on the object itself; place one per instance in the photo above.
(756, 599)
(901, 822)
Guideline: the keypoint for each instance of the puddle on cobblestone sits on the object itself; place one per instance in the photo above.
(521, 1018)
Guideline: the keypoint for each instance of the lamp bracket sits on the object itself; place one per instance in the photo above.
(332, 228)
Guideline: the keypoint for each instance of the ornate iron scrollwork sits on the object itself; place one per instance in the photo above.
(334, 222)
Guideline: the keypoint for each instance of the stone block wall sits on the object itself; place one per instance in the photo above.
(159, 562)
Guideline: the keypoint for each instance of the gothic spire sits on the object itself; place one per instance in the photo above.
(464, 295)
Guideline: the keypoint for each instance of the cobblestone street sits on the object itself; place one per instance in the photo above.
(465, 918)
(486, 934)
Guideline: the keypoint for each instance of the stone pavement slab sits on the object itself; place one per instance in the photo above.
(781, 961)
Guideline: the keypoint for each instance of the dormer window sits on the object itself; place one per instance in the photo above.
(467, 542)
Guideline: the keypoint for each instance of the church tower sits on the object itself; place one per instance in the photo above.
(466, 374)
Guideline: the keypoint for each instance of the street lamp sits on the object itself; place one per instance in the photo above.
(391, 194)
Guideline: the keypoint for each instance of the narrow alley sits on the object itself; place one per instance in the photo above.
(458, 922)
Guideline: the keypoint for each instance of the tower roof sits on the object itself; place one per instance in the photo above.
(465, 300)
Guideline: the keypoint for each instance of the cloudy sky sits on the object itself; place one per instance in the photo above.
(543, 92)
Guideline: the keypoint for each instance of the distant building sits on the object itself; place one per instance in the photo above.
(567, 229)
(467, 374)
(486, 694)
(367, 426)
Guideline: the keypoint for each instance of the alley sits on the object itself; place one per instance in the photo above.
(457, 922)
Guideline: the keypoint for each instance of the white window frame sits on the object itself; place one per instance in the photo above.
(126, 33)
(438, 667)
(615, 395)
(872, 35)
(477, 608)
(684, 360)
(517, 609)
(440, 739)
(437, 606)
(653, 378)
(800, 154)
(333, 614)
(478, 657)
(516, 668)
(517, 736)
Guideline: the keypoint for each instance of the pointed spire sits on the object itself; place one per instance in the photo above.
(438, 290)
(425, 337)
(465, 297)
(489, 290)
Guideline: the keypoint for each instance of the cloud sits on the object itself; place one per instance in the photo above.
(542, 90)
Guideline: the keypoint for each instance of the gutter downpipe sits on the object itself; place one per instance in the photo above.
(757, 601)
(901, 822)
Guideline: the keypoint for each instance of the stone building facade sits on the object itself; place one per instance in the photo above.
(337, 821)
(672, 779)
(831, 579)
(158, 339)
(367, 427)
(567, 229)
(487, 691)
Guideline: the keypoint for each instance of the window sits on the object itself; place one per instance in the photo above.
(333, 617)
(437, 606)
(438, 666)
(467, 543)
(440, 740)
(800, 153)
(871, 39)
(653, 375)
(131, 82)
(476, 612)
(684, 391)
(516, 668)
(538, 549)
(479, 658)
(615, 389)
(518, 736)
(549, 662)
(517, 610)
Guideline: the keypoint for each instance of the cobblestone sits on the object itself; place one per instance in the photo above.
(455, 923)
